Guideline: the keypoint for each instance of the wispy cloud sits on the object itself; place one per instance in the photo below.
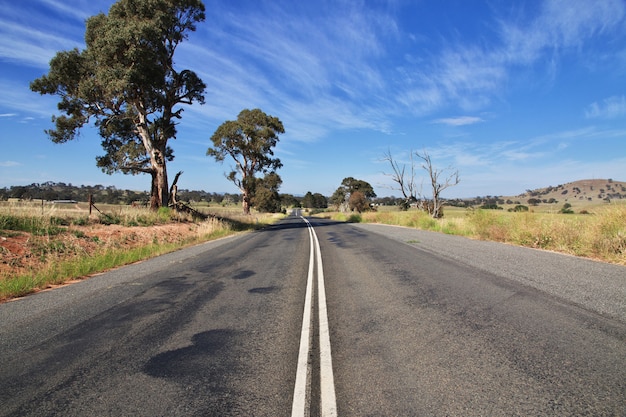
(610, 108)
(31, 46)
(9, 164)
(33, 34)
(19, 97)
(459, 121)
(470, 76)
(318, 74)
(77, 11)
(8, 114)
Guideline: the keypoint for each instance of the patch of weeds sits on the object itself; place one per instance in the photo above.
(79, 234)
(413, 242)
(354, 218)
(59, 221)
(109, 219)
(164, 214)
(80, 221)
(145, 221)
(428, 223)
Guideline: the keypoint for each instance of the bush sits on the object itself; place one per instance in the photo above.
(490, 207)
(354, 218)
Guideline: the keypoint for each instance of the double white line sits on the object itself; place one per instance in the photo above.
(301, 394)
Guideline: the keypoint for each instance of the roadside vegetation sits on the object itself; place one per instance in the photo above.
(44, 247)
(600, 234)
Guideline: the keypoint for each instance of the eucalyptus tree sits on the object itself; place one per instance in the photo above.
(125, 81)
(249, 141)
(349, 186)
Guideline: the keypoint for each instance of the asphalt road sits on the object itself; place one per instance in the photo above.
(419, 324)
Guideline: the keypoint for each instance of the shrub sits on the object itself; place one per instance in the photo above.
(490, 207)
(354, 218)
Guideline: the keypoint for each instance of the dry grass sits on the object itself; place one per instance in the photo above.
(600, 235)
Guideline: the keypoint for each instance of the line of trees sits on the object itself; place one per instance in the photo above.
(51, 191)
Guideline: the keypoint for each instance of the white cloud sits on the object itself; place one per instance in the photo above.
(31, 46)
(19, 97)
(8, 115)
(610, 108)
(8, 164)
(470, 76)
(459, 121)
(77, 13)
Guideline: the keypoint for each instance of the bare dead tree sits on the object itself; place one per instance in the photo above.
(438, 183)
(174, 190)
(406, 181)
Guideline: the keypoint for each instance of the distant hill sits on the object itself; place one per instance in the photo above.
(595, 190)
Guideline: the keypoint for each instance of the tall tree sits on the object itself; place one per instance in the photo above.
(125, 80)
(249, 141)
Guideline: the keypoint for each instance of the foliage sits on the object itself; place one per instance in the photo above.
(316, 200)
(125, 80)
(249, 141)
(51, 191)
(567, 209)
(519, 208)
(358, 202)
(491, 207)
(266, 198)
(350, 186)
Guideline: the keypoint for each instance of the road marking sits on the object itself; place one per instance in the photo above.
(301, 394)
(301, 389)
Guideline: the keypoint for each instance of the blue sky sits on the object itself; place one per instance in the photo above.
(515, 95)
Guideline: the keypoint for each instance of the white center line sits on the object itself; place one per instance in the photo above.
(328, 406)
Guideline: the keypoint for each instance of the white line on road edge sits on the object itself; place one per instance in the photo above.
(328, 407)
(301, 387)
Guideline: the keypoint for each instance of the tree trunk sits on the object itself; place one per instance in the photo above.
(159, 196)
(246, 203)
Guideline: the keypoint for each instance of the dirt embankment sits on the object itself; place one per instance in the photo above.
(21, 252)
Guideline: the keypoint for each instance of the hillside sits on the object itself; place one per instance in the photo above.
(595, 190)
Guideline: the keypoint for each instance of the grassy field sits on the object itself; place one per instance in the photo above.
(46, 245)
(601, 234)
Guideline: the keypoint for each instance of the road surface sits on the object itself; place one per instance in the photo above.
(314, 317)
